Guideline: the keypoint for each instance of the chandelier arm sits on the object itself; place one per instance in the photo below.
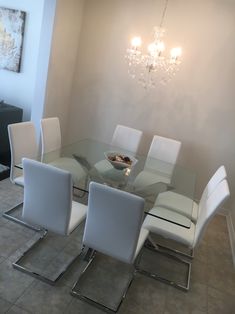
(163, 13)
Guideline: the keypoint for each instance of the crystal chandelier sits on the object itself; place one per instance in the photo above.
(154, 67)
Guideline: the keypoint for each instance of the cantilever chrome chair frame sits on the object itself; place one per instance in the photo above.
(208, 208)
(90, 256)
(17, 263)
(106, 202)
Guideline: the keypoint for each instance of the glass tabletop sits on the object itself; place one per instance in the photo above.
(140, 175)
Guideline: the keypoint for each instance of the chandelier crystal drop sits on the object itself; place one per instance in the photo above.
(155, 66)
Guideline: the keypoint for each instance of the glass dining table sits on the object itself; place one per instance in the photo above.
(139, 174)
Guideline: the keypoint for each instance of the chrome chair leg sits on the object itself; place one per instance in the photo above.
(17, 264)
(152, 243)
(8, 215)
(165, 280)
(90, 255)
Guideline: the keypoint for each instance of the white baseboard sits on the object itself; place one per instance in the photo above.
(231, 232)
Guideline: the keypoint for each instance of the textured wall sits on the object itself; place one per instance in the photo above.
(63, 56)
(196, 108)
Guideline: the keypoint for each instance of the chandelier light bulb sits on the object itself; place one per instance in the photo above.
(136, 42)
(176, 53)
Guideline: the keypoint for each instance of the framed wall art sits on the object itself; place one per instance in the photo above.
(12, 24)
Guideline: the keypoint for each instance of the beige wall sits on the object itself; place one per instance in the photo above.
(63, 56)
(196, 108)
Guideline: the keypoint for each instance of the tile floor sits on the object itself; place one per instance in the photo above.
(212, 284)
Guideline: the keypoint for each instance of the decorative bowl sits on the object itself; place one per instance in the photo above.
(120, 161)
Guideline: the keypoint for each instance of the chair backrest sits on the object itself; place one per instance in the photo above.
(209, 207)
(51, 137)
(113, 222)
(126, 138)
(47, 196)
(23, 143)
(218, 176)
(164, 149)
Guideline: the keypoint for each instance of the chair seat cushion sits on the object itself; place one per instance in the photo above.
(179, 203)
(169, 230)
(146, 178)
(106, 171)
(19, 180)
(72, 166)
(78, 214)
(142, 238)
(103, 166)
(170, 215)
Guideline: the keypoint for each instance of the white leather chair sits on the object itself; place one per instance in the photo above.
(48, 203)
(23, 143)
(163, 149)
(113, 227)
(186, 206)
(51, 151)
(191, 237)
(125, 139)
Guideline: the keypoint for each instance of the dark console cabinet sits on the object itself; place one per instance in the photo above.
(8, 114)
